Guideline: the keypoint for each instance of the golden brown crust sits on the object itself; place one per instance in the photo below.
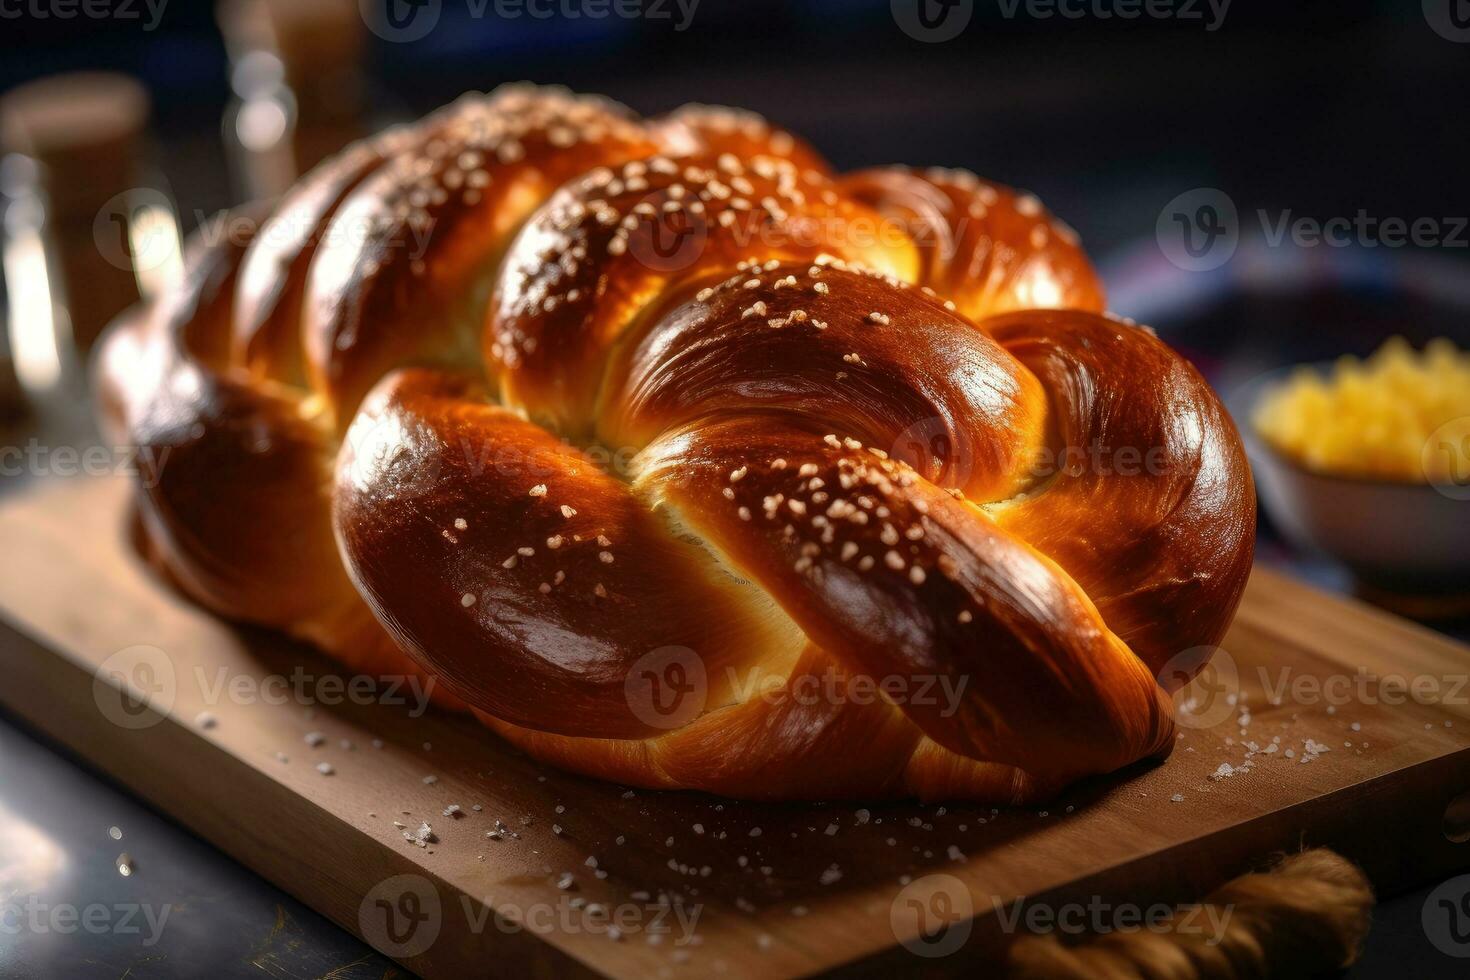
(412, 254)
(681, 462)
(609, 246)
(986, 247)
(897, 579)
(1146, 442)
(834, 347)
(267, 314)
(233, 472)
(490, 547)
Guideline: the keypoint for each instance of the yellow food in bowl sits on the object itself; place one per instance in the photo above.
(1400, 414)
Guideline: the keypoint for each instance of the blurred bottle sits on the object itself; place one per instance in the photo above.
(296, 74)
(12, 399)
(88, 229)
(37, 327)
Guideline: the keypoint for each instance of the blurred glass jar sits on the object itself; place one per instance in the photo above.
(258, 126)
(295, 73)
(89, 227)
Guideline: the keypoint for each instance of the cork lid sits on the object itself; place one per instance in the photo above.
(86, 129)
(315, 39)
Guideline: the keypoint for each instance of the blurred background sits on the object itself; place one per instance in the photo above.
(1194, 146)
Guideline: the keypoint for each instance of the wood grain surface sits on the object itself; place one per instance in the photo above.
(1340, 726)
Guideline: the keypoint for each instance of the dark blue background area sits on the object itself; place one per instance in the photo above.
(1325, 107)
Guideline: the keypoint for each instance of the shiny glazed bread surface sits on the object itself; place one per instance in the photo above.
(684, 462)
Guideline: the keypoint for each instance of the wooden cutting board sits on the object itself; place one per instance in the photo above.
(748, 889)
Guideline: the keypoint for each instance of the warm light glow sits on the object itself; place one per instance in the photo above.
(33, 315)
(261, 125)
(30, 861)
(157, 252)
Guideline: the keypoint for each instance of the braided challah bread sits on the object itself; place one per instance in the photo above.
(684, 462)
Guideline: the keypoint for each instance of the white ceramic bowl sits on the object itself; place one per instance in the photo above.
(1396, 535)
